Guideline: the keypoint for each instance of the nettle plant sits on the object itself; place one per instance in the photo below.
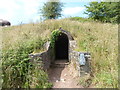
(54, 37)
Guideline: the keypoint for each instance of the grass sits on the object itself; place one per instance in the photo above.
(81, 19)
(100, 39)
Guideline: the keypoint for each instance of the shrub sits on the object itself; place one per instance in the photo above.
(16, 67)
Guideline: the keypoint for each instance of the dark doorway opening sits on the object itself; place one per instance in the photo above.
(61, 47)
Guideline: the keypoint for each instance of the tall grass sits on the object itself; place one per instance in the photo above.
(101, 40)
(18, 71)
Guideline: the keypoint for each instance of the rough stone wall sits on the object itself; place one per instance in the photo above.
(85, 69)
(43, 57)
(74, 58)
(47, 45)
(82, 69)
(48, 58)
(72, 45)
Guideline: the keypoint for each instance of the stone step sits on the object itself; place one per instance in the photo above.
(60, 63)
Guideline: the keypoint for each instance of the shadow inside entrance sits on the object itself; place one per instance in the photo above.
(61, 47)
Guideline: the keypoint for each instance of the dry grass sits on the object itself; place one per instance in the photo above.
(101, 40)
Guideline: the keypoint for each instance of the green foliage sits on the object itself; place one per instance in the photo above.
(80, 19)
(104, 11)
(37, 78)
(54, 37)
(52, 10)
(16, 67)
(107, 78)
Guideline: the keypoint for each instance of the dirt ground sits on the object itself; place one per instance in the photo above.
(64, 77)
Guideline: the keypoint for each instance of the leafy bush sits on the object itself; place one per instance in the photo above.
(16, 67)
(104, 11)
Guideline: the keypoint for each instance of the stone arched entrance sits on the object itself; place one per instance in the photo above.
(62, 47)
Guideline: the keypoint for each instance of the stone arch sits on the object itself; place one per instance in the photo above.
(62, 47)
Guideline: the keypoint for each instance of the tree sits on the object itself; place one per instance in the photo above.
(51, 10)
(104, 11)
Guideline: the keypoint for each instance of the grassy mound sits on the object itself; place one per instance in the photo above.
(101, 39)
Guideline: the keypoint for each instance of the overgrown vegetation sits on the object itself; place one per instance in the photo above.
(100, 39)
(54, 37)
(18, 69)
